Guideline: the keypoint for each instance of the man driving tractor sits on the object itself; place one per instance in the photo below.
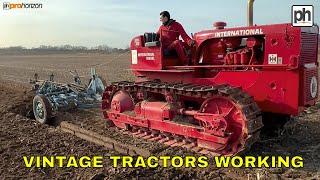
(169, 32)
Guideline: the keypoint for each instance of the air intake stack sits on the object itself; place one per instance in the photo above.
(250, 12)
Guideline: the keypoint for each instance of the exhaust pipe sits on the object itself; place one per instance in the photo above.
(250, 12)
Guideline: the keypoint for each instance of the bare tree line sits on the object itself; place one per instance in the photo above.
(48, 49)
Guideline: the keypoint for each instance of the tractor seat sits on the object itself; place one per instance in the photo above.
(152, 44)
(151, 40)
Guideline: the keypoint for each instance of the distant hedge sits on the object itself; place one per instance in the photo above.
(64, 49)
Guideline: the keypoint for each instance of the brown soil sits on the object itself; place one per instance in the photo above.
(21, 135)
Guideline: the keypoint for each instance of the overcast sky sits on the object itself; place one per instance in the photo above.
(115, 22)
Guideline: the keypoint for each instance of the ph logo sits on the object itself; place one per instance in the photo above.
(6, 6)
(302, 15)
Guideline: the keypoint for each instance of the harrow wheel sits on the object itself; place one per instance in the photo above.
(42, 109)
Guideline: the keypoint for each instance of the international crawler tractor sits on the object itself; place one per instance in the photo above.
(215, 104)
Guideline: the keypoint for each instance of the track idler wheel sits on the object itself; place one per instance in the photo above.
(121, 102)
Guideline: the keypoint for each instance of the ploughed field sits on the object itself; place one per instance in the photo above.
(20, 68)
(21, 135)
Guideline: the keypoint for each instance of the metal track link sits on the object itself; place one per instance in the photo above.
(102, 140)
(169, 141)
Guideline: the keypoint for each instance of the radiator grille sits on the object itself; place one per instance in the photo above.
(309, 73)
(308, 48)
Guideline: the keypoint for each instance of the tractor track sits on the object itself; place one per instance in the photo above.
(101, 140)
(125, 148)
(253, 122)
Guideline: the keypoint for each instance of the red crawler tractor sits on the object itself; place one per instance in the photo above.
(215, 103)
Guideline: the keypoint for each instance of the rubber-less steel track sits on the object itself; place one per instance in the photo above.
(252, 120)
(101, 140)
